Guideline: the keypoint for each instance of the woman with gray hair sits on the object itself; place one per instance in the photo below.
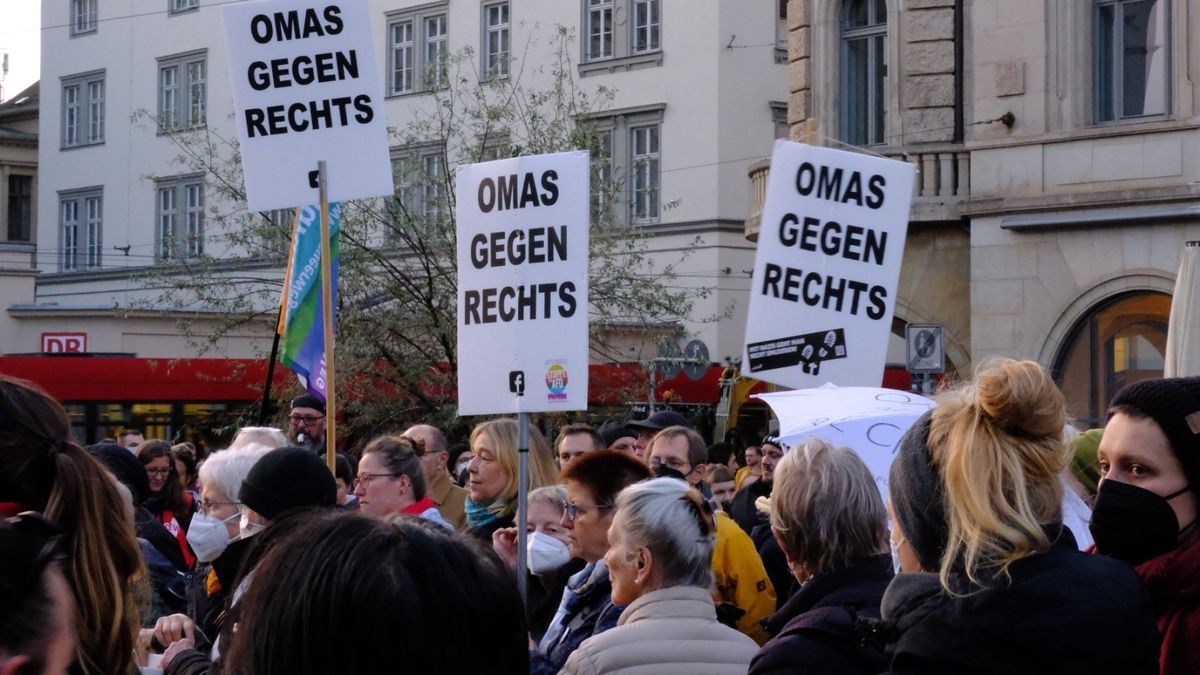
(829, 519)
(660, 563)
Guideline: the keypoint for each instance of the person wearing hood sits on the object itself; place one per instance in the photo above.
(1147, 506)
(993, 583)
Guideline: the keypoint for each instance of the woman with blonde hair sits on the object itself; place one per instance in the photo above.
(977, 500)
(492, 482)
(43, 469)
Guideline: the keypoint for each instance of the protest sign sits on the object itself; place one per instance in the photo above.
(827, 267)
(306, 87)
(523, 284)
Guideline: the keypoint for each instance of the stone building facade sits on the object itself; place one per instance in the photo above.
(1057, 145)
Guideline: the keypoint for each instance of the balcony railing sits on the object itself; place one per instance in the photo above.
(943, 182)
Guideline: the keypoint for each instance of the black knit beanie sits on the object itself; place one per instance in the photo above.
(308, 401)
(915, 486)
(1174, 403)
(287, 478)
(126, 467)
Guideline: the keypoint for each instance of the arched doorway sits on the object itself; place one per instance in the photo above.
(1119, 341)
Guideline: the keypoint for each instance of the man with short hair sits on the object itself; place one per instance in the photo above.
(647, 428)
(753, 469)
(573, 441)
(681, 450)
(451, 500)
(306, 423)
(744, 509)
(131, 439)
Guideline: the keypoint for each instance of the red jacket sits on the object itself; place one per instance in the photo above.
(1173, 581)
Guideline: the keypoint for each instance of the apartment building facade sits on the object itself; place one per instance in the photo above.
(1059, 174)
(698, 93)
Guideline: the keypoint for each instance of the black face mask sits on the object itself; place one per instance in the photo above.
(1134, 524)
(664, 471)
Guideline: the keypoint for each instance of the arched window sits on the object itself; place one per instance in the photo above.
(864, 71)
(1119, 342)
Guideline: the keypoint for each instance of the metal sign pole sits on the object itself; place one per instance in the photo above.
(327, 310)
(522, 499)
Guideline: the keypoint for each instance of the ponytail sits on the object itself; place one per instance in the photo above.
(998, 443)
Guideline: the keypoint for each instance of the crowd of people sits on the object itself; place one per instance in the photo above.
(648, 551)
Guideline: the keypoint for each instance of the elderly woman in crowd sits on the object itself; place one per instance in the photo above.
(593, 482)
(830, 521)
(977, 497)
(492, 482)
(660, 562)
(1146, 508)
(42, 469)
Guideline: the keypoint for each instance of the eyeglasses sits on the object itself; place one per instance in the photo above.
(364, 479)
(207, 507)
(572, 511)
(305, 419)
(671, 462)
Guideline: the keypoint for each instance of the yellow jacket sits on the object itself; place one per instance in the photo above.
(740, 578)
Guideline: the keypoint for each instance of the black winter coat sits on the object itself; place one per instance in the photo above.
(1063, 612)
(742, 508)
(820, 629)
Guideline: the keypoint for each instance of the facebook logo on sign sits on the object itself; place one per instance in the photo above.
(516, 382)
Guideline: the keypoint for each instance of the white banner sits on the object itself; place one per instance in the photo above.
(523, 284)
(827, 267)
(306, 87)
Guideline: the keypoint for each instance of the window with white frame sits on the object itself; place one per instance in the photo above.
(644, 172)
(621, 34)
(626, 155)
(1132, 71)
(779, 120)
(598, 28)
(83, 109)
(864, 68)
(417, 50)
(83, 17)
(177, 6)
(81, 229)
(20, 207)
(420, 181)
(182, 91)
(496, 37)
(179, 214)
(276, 232)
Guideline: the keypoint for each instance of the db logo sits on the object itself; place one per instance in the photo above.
(556, 382)
(64, 343)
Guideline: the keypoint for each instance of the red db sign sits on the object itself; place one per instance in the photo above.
(64, 343)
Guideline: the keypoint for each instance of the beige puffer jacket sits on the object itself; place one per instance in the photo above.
(673, 630)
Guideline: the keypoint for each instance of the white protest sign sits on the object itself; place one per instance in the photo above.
(306, 87)
(523, 284)
(827, 267)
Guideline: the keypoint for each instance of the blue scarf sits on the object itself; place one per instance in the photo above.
(479, 516)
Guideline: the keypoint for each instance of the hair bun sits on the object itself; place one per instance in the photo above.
(1021, 398)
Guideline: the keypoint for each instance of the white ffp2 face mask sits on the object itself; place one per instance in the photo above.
(208, 536)
(546, 553)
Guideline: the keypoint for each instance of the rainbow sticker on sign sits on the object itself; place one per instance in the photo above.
(556, 383)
